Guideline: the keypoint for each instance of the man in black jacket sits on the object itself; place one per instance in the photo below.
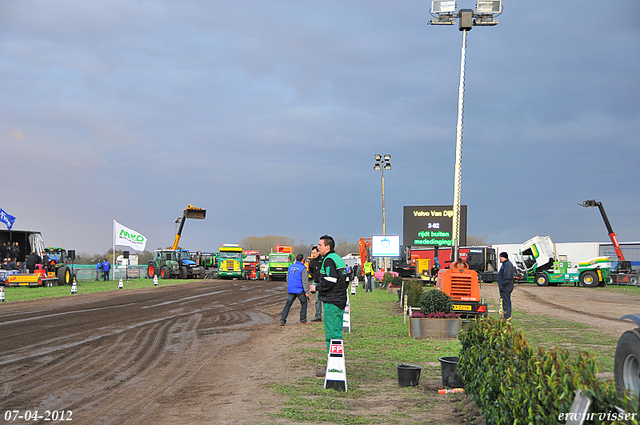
(332, 289)
(506, 277)
(32, 260)
(314, 271)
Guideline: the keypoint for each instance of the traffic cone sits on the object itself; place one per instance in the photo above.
(74, 286)
(1, 294)
(336, 375)
(120, 285)
(155, 280)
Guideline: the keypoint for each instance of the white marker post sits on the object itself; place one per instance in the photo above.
(336, 374)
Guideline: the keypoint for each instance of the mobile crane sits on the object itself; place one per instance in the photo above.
(622, 273)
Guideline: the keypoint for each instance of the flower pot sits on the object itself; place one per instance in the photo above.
(449, 370)
(422, 328)
(408, 375)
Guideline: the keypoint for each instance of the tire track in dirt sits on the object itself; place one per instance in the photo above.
(535, 298)
(121, 357)
(132, 395)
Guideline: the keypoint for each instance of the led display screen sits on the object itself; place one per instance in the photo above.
(432, 225)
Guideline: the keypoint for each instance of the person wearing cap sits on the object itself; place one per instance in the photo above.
(506, 277)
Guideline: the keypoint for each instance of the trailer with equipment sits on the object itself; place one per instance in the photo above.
(55, 272)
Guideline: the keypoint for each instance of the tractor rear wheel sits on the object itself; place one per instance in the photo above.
(64, 276)
(589, 279)
(542, 279)
(165, 273)
(627, 358)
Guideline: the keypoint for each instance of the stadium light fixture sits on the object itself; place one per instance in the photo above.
(444, 13)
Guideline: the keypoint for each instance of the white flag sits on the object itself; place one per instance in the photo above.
(127, 237)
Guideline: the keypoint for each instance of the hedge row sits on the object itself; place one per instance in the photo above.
(514, 384)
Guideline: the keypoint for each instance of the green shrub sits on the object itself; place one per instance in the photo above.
(413, 290)
(514, 384)
(435, 301)
(396, 281)
(387, 278)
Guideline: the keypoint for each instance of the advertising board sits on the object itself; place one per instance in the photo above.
(385, 245)
(432, 226)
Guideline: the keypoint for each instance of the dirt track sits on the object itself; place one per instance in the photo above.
(591, 306)
(130, 356)
(196, 353)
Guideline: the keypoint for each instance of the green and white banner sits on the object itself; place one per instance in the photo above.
(123, 236)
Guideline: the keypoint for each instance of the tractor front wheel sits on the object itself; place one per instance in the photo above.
(151, 271)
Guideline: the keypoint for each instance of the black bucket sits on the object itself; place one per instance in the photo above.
(449, 370)
(408, 375)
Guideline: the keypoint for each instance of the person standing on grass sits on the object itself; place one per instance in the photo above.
(98, 270)
(506, 277)
(332, 289)
(297, 287)
(314, 271)
(368, 273)
(106, 266)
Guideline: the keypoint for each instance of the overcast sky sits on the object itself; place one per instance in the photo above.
(268, 115)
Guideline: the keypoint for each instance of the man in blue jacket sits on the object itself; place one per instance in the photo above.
(106, 266)
(297, 287)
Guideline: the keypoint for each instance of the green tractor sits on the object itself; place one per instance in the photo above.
(58, 264)
(174, 263)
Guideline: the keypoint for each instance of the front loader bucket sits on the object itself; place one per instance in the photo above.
(193, 212)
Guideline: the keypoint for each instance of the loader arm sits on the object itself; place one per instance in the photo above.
(612, 234)
(190, 212)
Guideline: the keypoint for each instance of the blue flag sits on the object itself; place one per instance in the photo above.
(7, 219)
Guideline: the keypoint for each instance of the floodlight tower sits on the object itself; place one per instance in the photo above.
(444, 13)
(383, 163)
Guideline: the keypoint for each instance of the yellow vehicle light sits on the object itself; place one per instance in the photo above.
(461, 307)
